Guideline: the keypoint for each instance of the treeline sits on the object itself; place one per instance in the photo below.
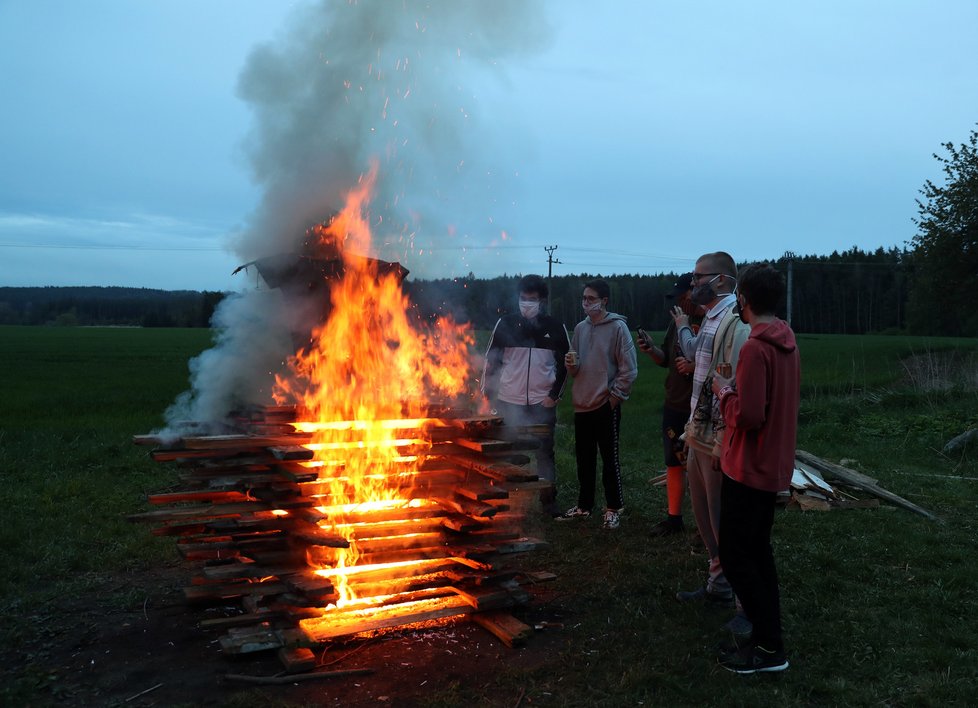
(95, 306)
(853, 292)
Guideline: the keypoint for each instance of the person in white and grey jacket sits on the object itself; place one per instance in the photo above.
(524, 374)
(604, 370)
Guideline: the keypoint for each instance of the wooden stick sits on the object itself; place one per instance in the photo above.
(295, 678)
(143, 693)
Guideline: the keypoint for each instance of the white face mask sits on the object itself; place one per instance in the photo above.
(529, 308)
(591, 307)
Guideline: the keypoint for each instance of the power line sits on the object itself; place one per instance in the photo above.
(90, 247)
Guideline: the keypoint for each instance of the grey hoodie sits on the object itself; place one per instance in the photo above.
(607, 365)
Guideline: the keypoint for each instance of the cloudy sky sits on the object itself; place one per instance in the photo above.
(160, 144)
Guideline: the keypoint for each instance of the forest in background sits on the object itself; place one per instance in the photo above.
(854, 292)
(922, 290)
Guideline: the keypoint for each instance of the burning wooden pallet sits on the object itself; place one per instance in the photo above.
(274, 529)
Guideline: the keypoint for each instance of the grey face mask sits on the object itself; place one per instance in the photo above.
(704, 294)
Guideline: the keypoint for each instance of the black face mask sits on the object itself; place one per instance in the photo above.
(703, 294)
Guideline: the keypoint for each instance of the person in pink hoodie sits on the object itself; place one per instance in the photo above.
(760, 409)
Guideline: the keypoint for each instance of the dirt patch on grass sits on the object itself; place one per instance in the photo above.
(86, 653)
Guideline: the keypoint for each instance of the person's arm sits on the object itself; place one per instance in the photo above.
(561, 346)
(744, 404)
(627, 363)
(494, 359)
(685, 335)
(655, 352)
(575, 344)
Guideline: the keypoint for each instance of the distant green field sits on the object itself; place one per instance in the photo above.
(879, 606)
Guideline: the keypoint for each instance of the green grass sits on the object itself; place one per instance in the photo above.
(878, 604)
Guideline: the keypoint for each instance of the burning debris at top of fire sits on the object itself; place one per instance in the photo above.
(345, 85)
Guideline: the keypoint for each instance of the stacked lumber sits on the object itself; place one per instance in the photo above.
(250, 512)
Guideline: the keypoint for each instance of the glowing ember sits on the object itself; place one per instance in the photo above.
(365, 382)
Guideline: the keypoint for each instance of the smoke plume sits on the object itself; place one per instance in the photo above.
(419, 87)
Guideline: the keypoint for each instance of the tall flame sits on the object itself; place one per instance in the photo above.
(367, 380)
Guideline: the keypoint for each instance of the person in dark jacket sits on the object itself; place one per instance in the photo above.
(675, 408)
(524, 374)
(760, 409)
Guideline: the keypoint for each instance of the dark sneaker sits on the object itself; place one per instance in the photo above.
(755, 659)
(668, 526)
(575, 512)
(701, 594)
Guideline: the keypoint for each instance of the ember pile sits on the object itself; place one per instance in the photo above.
(370, 495)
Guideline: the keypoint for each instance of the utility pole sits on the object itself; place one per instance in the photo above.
(790, 257)
(550, 261)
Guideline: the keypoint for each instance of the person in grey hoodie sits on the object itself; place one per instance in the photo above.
(603, 364)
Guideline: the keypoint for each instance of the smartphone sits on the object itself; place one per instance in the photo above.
(645, 336)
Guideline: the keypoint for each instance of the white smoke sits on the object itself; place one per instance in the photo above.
(413, 84)
(401, 82)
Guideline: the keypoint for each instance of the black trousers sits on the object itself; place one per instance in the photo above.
(597, 431)
(746, 518)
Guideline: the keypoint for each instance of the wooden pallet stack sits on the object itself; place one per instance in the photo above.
(250, 511)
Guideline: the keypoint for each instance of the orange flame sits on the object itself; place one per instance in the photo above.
(367, 380)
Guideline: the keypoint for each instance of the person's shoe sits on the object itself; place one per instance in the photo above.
(575, 512)
(728, 649)
(668, 526)
(740, 627)
(701, 594)
(612, 518)
(755, 659)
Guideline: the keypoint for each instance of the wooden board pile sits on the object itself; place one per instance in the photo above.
(249, 512)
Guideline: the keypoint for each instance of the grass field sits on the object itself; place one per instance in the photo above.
(878, 605)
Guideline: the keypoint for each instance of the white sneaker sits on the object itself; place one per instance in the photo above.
(612, 518)
(575, 512)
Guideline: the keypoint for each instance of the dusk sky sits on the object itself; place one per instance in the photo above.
(160, 144)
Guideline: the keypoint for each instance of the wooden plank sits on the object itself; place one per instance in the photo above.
(180, 454)
(297, 660)
(222, 496)
(291, 452)
(485, 597)
(242, 442)
(467, 507)
(859, 481)
(480, 491)
(498, 471)
(213, 592)
(245, 619)
(247, 640)
(461, 523)
(484, 445)
(332, 625)
(540, 576)
(503, 625)
(520, 545)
